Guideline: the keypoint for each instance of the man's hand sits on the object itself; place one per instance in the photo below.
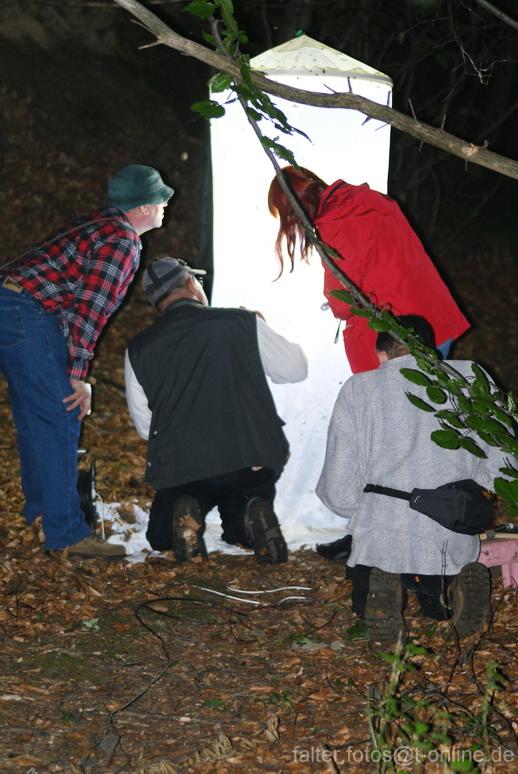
(81, 398)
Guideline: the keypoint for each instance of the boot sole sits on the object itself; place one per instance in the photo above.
(383, 610)
(187, 529)
(268, 541)
(470, 598)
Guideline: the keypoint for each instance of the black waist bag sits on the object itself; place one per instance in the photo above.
(462, 506)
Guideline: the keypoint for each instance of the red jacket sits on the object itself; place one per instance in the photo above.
(385, 259)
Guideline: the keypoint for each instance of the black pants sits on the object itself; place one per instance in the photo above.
(428, 588)
(230, 492)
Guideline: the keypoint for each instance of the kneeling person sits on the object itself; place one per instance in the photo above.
(377, 436)
(197, 391)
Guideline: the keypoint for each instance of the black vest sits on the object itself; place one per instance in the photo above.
(212, 409)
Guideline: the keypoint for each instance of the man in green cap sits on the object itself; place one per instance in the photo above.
(55, 300)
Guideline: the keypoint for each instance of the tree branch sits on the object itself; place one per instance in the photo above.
(469, 152)
(498, 13)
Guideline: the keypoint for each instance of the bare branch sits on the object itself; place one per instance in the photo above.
(498, 13)
(465, 150)
(107, 4)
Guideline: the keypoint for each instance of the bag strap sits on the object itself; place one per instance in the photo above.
(386, 490)
(62, 234)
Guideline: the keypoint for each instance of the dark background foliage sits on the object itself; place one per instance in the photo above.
(78, 99)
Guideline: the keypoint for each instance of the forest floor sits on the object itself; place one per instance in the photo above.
(132, 667)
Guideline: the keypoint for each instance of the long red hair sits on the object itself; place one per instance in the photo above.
(308, 189)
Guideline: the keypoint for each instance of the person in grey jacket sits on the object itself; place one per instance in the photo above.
(197, 391)
(376, 435)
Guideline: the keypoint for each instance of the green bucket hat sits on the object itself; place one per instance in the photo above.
(135, 185)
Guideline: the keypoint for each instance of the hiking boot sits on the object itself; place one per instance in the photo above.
(469, 595)
(95, 548)
(384, 607)
(262, 526)
(337, 551)
(188, 526)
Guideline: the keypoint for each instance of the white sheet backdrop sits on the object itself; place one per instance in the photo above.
(343, 144)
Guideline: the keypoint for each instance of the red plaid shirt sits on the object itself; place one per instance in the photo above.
(82, 274)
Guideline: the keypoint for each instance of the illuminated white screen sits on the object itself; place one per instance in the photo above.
(343, 144)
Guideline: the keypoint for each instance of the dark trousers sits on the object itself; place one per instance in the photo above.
(428, 589)
(230, 492)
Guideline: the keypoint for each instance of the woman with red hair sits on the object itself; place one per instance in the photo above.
(378, 251)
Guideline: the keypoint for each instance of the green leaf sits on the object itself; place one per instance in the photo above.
(465, 404)
(343, 295)
(436, 394)
(419, 402)
(227, 13)
(221, 82)
(279, 150)
(201, 8)
(503, 417)
(361, 311)
(254, 114)
(378, 324)
(390, 657)
(407, 729)
(487, 438)
(472, 447)
(486, 425)
(208, 109)
(447, 439)
(416, 377)
(245, 73)
(264, 103)
(511, 472)
(445, 379)
(506, 489)
(424, 365)
(243, 91)
(413, 649)
(483, 405)
(451, 417)
(481, 385)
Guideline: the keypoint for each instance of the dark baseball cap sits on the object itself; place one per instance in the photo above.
(164, 275)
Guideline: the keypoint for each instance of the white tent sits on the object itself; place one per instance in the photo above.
(343, 144)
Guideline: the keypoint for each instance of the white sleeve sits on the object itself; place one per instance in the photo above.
(137, 401)
(283, 361)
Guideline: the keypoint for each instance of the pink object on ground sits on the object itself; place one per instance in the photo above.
(503, 553)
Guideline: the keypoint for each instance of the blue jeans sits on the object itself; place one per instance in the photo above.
(33, 358)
